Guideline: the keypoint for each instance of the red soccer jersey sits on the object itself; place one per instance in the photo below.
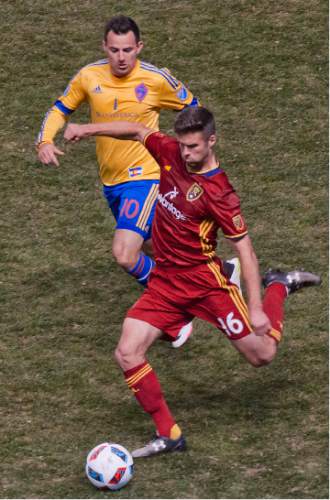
(190, 209)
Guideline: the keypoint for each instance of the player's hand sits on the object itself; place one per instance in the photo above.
(73, 132)
(47, 154)
(259, 321)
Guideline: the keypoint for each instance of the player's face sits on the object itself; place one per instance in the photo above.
(122, 51)
(196, 150)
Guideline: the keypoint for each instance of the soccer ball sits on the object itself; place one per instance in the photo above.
(109, 466)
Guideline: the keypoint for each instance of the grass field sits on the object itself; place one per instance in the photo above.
(262, 67)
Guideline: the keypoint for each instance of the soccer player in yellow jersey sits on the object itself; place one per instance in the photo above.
(121, 87)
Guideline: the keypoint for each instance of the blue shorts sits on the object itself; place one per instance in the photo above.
(133, 205)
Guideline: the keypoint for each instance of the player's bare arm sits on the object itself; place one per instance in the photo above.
(47, 154)
(250, 271)
(118, 130)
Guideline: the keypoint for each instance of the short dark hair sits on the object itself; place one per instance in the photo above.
(122, 25)
(195, 119)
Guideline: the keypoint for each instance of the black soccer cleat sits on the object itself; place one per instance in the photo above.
(293, 280)
(160, 444)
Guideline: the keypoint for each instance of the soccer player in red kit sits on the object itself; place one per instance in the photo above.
(195, 200)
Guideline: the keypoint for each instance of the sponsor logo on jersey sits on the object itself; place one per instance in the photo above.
(172, 194)
(97, 90)
(163, 200)
(135, 171)
(194, 192)
(182, 93)
(238, 222)
(122, 116)
(140, 92)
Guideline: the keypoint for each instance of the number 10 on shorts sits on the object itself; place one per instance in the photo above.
(231, 325)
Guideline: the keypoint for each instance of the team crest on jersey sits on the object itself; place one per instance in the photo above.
(140, 92)
(168, 167)
(238, 222)
(194, 192)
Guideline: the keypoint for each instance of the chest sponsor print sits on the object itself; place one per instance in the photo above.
(165, 201)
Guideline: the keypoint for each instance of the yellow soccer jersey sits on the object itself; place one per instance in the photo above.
(137, 97)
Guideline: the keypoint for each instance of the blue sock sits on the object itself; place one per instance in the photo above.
(142, 269)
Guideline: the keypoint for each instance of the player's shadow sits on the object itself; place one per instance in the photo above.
(255, 399)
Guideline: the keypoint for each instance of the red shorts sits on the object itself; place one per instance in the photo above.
(173, 299)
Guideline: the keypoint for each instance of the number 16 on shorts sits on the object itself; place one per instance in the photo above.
(230, 325)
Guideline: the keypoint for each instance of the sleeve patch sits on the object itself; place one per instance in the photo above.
(238, 222)
(182, 93)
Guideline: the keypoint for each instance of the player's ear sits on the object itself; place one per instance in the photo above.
(212, 140)
(104, 46)
(140, 46)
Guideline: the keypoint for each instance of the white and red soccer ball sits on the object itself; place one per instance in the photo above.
(109, 466)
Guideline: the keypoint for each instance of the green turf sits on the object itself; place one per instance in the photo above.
(262, 67)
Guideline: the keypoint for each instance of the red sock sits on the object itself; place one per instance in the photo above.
(147, 390)
(273, 305)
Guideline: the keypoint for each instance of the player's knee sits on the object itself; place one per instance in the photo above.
(263, 357)
(123, 357)
(126, 357)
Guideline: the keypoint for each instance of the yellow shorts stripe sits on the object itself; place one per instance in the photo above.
(233, 292)
(147, 207)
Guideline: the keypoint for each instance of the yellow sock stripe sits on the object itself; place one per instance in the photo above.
(275, 334)
(131, 384)
(147, 207)
(233, 292)
(132, 378)
(137, 376)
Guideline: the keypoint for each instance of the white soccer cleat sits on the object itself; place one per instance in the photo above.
(183, 335)
(160, 444)
(293, 280)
